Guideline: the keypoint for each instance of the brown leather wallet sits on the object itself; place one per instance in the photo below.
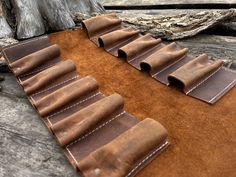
(95, 132)
(170, 65)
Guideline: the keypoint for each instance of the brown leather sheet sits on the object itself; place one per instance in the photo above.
(84, 121)
(166, 63)
(202, 136)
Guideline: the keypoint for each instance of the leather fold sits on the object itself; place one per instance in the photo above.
(102, 24)
(122, 156)
(65, 95)
(138, 47)
(71, 128)
(194, 72)
(47, 76)
(114, 40)
(162, 58)
(34, 60)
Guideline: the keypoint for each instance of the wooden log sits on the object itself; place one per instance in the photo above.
(33, 18)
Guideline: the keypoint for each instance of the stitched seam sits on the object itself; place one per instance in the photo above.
(168, 66)
(97, 128)
(202, 81)
(72, 156)
(26, 42)
(38, 70)
(69, 107)
(145, 159)
(20, 43)
(222, 91)
(61, 83)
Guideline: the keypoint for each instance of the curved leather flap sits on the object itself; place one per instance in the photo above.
(72, 127)
(45, 77)
(113, 40)
(163, 58)
(100, 24)
(195, 71)
(65, 95)
(34, 60)
(121, 155)
(138, 47)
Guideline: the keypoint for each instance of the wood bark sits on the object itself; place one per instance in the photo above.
(29, 18)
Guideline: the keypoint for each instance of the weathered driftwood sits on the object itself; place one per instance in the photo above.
(172, 27)
(5, 29)
(29, 18)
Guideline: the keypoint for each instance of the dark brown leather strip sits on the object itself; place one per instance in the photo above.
(191, 74)
(135, 51)
(114, 40)
(162, 58)
(125, 152)
(73, 109)
(71, 128)
(43, 78)
(65, 94)
(35, 59)
(96, 26)
(163, 61)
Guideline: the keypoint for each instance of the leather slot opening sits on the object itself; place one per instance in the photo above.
(34, 60)
(47, 76)
(74, 126)
(100, 24)
(114, 40)
(65, 95)
(122, 155)
(162, 58)
(190, 75)
(138, 47)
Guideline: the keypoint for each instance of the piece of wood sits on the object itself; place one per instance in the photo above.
(31, 18)
(163, 2)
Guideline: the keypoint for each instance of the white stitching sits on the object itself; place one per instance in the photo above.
(148, 157)
(26, 42)
(222, 91)
(96, 129)
(38, 70)
(61, 111)
(75, 77)
(202, 81)
(72, 156)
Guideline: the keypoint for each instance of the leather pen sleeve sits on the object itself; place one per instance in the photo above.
(65, 95)
(122, 156)
(45, 77)
(138, 47)
(162, 58)
(193, 72)
(101, 24)
(72, 127)
(34, 60)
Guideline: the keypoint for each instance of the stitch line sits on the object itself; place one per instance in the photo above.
(72, 156)
(222, 91)
(202, 81)
(97, 128)
(169, 66)
(69, 107)
(26, 42)
(61, 83)
(38, 70)
(148, 157)
(18, 44)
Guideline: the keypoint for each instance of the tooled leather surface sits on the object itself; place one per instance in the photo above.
(73, 127)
